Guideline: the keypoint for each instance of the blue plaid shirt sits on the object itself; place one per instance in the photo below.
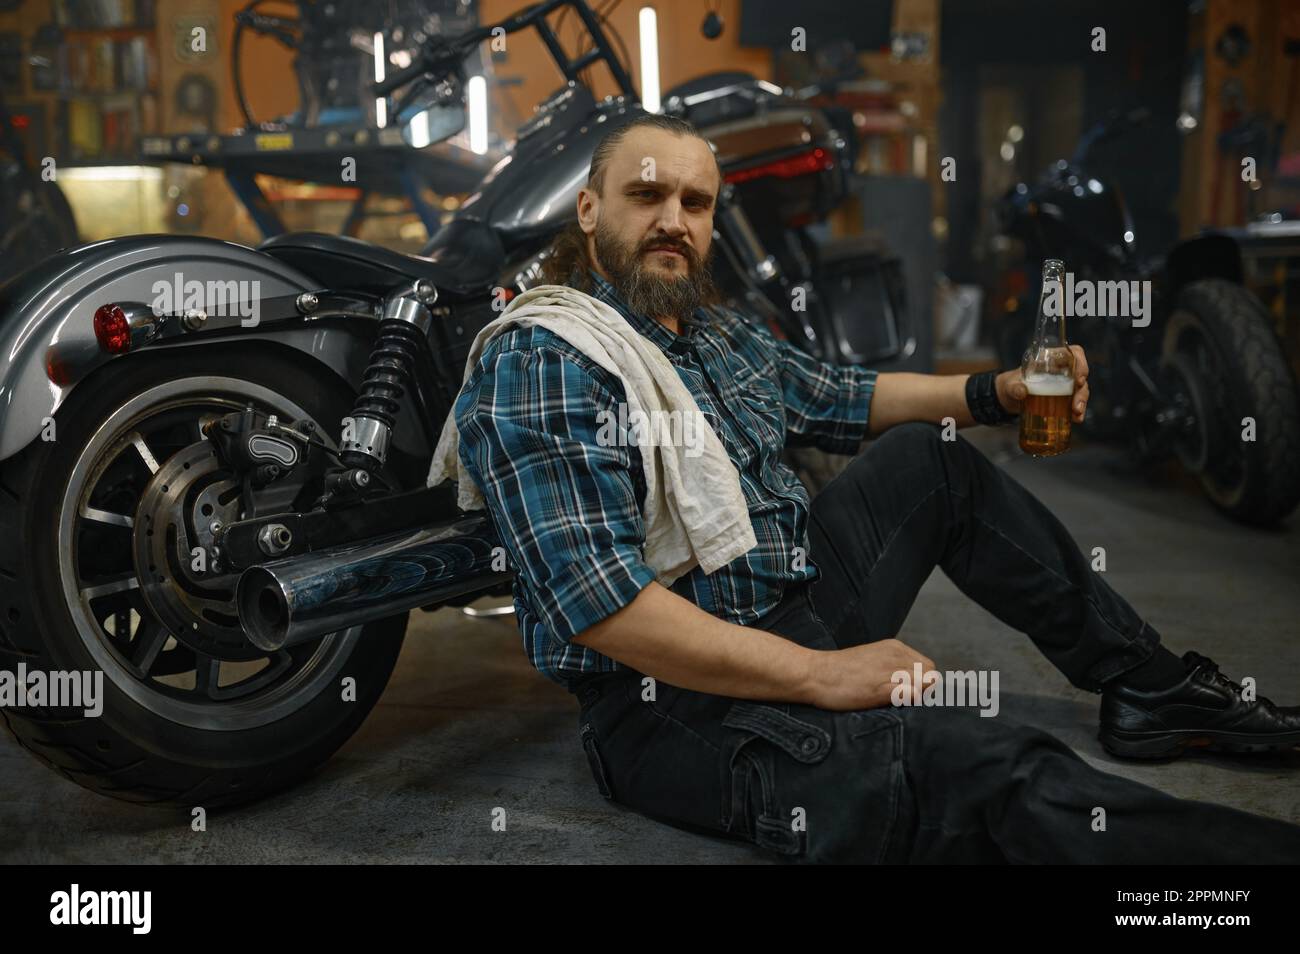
(569, 511)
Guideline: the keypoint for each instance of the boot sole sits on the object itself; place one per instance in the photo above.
(1170, 745)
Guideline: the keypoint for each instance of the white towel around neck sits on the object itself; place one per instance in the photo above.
(695, 512)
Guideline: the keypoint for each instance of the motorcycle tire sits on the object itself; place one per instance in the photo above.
(153, 743)
(1220, 343)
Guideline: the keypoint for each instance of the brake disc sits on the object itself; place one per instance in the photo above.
(180, 573)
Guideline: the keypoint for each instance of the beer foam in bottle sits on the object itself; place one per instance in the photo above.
(1049, 385)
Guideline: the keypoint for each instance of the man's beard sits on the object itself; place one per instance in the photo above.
(649, 293)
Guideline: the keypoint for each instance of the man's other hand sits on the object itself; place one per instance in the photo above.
(862, 677)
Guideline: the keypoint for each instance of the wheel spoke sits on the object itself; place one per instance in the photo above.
(148, 643)
(277, 665)
(146, 455)
(119, 585)
(106, 516)
(207, 670)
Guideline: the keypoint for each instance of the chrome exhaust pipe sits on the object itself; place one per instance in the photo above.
(300, 598)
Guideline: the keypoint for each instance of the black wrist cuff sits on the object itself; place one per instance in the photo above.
(982, 400)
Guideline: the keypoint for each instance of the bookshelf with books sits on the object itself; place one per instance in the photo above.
(104, 77)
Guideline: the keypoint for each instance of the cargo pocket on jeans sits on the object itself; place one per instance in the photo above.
(588, 735)
(752, 801)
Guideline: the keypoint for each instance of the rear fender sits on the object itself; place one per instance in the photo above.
(48, 339)
(1209, 255)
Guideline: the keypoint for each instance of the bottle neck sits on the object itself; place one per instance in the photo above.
(1049, 329)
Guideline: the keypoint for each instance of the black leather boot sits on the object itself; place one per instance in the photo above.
(1205, 709)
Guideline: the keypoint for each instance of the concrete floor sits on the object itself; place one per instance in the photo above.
(467, 726)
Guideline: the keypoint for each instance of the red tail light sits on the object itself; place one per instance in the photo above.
(817, 160)
(112, 330)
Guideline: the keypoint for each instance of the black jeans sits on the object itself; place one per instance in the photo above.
(916, 784)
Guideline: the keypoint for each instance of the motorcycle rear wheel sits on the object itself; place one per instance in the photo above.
(1220, 342)
(188, 719)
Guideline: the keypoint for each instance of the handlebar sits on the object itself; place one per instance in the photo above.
(440, 57)
(403, 76)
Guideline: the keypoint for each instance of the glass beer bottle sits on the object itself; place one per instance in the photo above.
(1048, 371)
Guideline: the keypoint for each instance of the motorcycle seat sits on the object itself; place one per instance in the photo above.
(464, 262)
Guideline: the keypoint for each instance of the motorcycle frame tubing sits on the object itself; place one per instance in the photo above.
(601, 51)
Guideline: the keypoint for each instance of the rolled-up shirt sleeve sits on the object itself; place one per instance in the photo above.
(827, 405)
(562, 495)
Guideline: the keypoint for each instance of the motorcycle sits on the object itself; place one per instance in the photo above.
(786, 165)
(213, 457)
(1205, 379)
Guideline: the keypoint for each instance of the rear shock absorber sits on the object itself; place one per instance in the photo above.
(368, 431)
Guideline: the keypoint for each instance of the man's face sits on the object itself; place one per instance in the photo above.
(650, 230)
